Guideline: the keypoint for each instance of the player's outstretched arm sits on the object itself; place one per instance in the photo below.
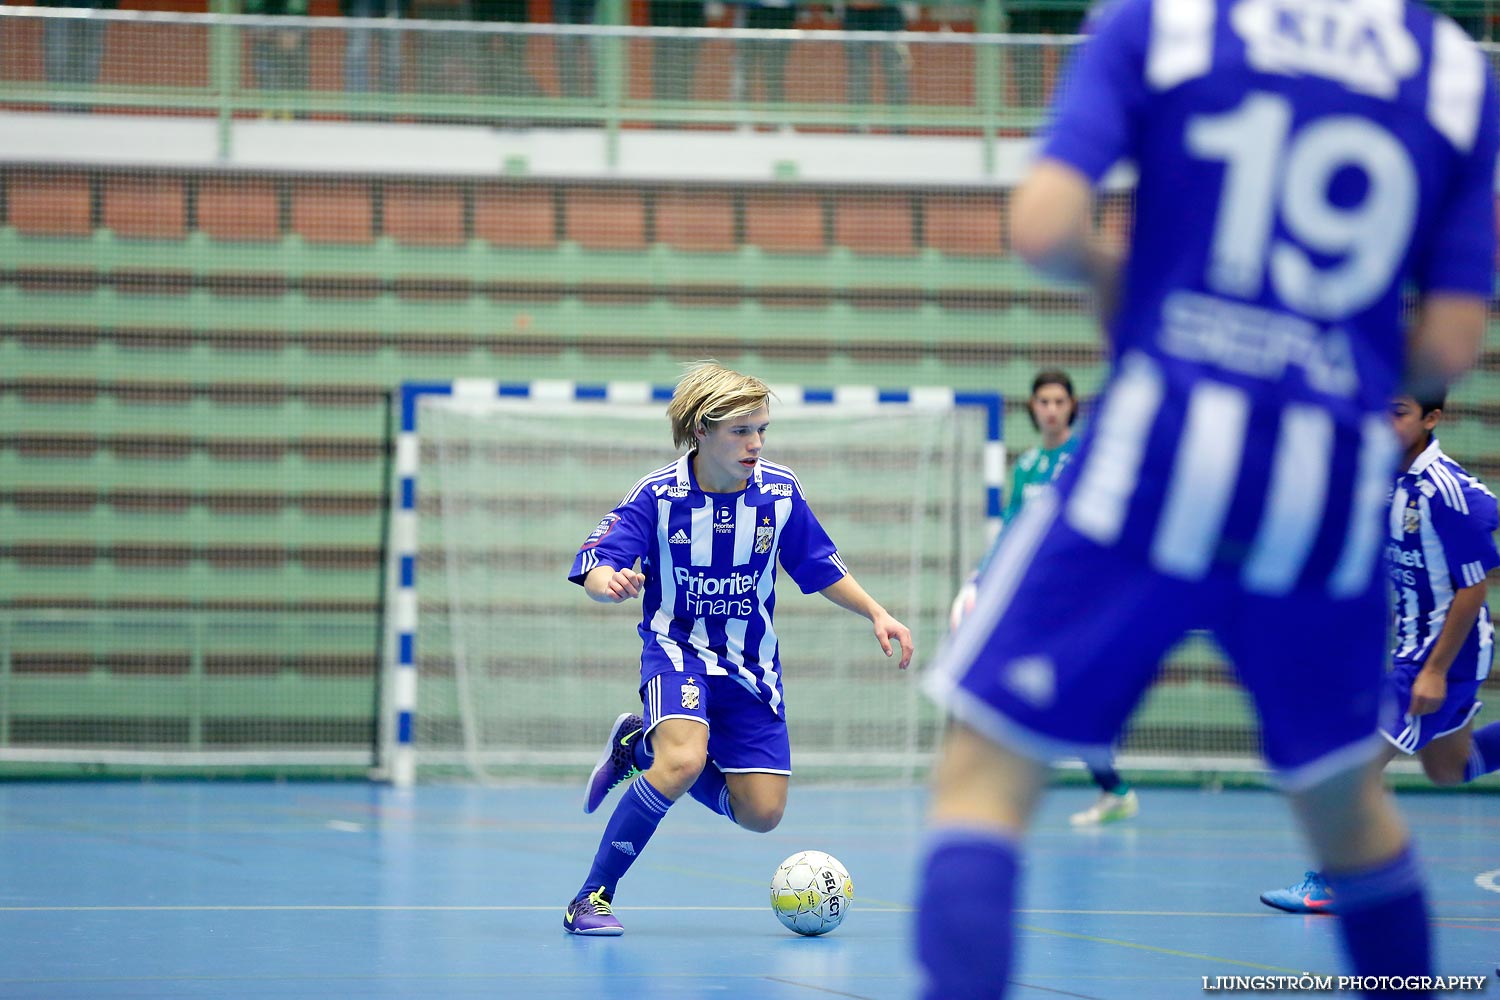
(1051, 227)
(1430, 686)
(847, 593)
(608, 585)
(1445, 340)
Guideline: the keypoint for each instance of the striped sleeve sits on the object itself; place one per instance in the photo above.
(1464, 515)
(621, 536)
(807, 553)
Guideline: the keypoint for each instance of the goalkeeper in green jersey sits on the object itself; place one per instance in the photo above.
(1053, 409)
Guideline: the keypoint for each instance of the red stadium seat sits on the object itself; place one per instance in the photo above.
(146, 207)
(49, 204)
(969, 225)
(424, 214)
(605, 218)
(698, 221)
(335, 211)
(1116, 218)
(514, 215)
(785, 221)
(239, 210)
(874, 223)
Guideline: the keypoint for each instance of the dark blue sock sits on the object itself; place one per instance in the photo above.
(712, 790)
(625, 835)
(1108, 779)
(1484, 754)
(1383, 919)
(965, 914)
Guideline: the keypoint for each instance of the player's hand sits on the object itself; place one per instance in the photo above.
(1428, 690)
(963, 605)
(624, 584)
(888, 629)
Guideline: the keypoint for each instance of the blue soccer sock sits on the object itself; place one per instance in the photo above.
(1383, 918)
(713, 790)
(1108, 779)
(629, 828)
(965, 913)
(1484, 752)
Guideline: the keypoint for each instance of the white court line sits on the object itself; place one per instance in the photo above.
(1489, 881)
(379, 909)
(315, 908)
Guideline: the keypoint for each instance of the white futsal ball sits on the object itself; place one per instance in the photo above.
(811, 892)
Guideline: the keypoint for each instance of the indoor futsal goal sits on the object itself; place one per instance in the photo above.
(499, 664)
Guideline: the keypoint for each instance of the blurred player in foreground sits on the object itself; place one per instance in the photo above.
(1053, 409)
(1297, 166)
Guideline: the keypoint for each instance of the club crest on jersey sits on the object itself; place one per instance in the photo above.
(690, 694)
(765, 534)
(1411, 519)
(597, 535)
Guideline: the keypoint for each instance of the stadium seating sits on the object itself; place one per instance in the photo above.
(196, 369)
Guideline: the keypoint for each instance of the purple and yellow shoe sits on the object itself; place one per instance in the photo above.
(617, 764)
(1311, 895)
(589, 914)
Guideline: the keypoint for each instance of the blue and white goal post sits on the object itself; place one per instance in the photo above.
(494, 662)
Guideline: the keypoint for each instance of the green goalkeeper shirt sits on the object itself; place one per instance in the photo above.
(1036, 468)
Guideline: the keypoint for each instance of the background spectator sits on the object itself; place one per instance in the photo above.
(279, 55)
(73, 48)
(674, 61)
(1028, 61)
(895, 59)
(502, 57)
(361, 45)
(763, 61)
(575, 56)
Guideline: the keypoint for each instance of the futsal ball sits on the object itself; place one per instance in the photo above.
(811, 892)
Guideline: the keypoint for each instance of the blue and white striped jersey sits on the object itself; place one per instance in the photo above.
(1440, 540)
(710, 565)
(1298, 163)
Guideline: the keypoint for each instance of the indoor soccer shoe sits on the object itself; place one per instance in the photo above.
(1311, 895)
(589, 914)
(617, 763)
(1108, 808)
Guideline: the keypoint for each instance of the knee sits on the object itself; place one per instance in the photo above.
(1444, 773)
(674, 771)
(759, 817)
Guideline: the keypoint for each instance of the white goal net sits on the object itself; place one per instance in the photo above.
(516, 671)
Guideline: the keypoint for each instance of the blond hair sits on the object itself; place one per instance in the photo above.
(707, 393)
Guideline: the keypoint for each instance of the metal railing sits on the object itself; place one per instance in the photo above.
(983, 84)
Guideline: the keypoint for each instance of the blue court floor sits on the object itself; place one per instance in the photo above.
(279, 891)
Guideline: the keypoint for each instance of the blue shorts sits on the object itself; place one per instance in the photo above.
(1410, 734)
(1067, 635)
(744, 734)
